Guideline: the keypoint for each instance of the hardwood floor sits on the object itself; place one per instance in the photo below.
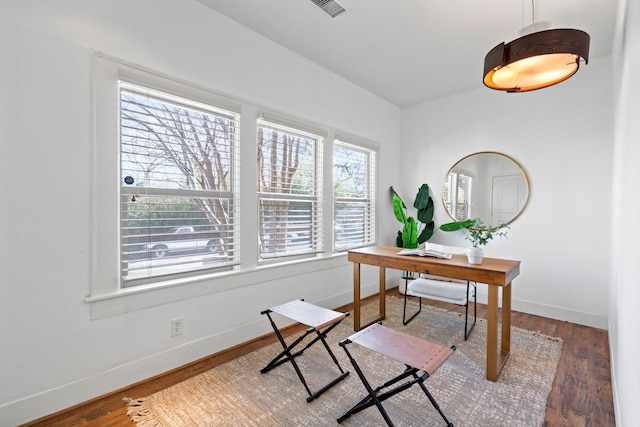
(581, 394)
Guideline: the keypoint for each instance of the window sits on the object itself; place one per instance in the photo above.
(165, 199)
(289, 174)
(457, 195)
(178, 178)
(354, 196)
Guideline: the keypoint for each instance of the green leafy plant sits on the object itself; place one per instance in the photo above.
(414, 232)
(475, 230)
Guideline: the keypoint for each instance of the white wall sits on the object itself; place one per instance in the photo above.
(53, 355)
(562, 136)
(624, 316)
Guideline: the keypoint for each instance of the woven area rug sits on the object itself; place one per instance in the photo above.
(237, 394)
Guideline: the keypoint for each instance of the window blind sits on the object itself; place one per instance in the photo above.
(289, 170)
(354, 195)
(179, 178)
(457, 195)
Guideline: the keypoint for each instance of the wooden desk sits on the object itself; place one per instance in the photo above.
(497, 273)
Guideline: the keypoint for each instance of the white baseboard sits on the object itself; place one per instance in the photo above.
(552, 312)
(614, 385)
(559, 313)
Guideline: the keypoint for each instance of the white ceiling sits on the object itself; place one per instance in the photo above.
(409, 51)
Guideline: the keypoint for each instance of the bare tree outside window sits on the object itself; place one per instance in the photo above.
(354, 196)
(177, 170)
(288, 209)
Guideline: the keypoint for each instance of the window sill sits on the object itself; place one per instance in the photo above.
(145, 296)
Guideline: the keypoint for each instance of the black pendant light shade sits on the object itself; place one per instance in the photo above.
(536, 60)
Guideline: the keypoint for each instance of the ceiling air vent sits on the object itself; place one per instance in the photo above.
(332, 7)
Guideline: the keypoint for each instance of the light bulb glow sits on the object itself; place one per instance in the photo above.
(533, 72)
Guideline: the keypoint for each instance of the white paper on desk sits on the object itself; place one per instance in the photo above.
(433, 250)
(442, 248)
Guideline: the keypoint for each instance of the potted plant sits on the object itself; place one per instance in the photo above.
(478, 234)
(414, 232)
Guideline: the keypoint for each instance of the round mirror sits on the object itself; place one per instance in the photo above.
(486, 185)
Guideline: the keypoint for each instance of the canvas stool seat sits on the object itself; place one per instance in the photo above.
(320, 321)
(420, 357)
(441, 289)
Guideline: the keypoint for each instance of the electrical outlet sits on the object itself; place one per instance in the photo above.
(177, 326)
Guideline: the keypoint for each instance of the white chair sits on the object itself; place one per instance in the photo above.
(441, 289)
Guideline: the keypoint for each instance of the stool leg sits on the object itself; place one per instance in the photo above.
(433, 401)
(343, 374)
(320, 336)
(286, 354)
(326, 346)
(370, 400)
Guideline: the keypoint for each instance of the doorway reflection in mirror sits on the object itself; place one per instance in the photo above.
(487, 185)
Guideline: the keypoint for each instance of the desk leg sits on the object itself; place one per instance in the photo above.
(357, 321)
(506, 323)
(356, 296)
(497, 356)
(383, 289)
(492, 334)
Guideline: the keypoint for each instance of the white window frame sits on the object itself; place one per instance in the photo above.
(139, 261)
(453, 185)
(314, 197)
(369, 199)
(105, 295)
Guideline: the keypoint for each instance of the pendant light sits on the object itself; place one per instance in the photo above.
(536, 60)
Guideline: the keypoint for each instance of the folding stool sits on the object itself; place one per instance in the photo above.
(418, 355)
(321, 321)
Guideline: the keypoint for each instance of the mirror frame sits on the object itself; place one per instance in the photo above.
(526, 180)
